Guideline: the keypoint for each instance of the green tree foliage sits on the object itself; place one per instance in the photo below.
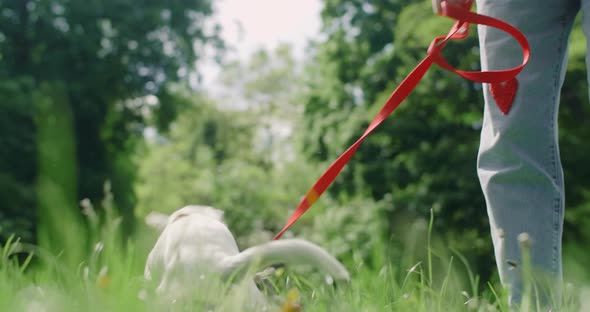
(18, 160)
(350, 65)
(574, 133)
(403, 158)
(232, 150)
(268, 86)
(103, 65)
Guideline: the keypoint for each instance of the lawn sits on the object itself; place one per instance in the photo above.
(111, 279)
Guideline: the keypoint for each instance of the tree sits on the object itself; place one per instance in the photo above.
(18, 160)
(352, 65)
(573, 135)
(102, 65)
(225, 150)
(267, 85)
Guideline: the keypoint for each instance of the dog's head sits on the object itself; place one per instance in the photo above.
(159, 221)
(204, 211)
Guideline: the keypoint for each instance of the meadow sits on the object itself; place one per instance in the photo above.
(105, 117)
(111, 279)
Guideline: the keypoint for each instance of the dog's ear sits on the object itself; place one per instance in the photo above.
(156, 220)
(204, 211)
(211, 213)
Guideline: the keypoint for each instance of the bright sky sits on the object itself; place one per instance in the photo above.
(251, 24)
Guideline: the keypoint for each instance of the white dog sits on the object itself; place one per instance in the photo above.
(195, 243)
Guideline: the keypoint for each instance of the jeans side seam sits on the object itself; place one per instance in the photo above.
(554, 149)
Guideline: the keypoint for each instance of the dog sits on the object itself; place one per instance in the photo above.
(195, 245)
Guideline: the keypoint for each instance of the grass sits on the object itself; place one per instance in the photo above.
(118, 286)
(111, 279)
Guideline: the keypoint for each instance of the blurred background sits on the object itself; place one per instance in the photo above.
(127, 107)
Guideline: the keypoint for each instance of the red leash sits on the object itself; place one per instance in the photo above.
(503, 86)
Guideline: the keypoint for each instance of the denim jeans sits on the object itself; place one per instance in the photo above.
(518, 163)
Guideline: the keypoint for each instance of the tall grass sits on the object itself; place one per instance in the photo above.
(110, 279)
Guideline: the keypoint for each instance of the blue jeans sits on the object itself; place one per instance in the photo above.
(519, 165)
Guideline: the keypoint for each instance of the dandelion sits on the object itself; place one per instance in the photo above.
(292, 303)
(524, 240)
(103, 280)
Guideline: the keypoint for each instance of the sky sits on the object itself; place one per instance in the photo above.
(251, 24)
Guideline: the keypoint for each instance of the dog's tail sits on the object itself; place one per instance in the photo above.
(289, 252)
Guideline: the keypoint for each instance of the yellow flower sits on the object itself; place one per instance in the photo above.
(292, 304)
(103, 280)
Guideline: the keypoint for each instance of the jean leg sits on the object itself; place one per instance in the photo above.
(518, 163)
